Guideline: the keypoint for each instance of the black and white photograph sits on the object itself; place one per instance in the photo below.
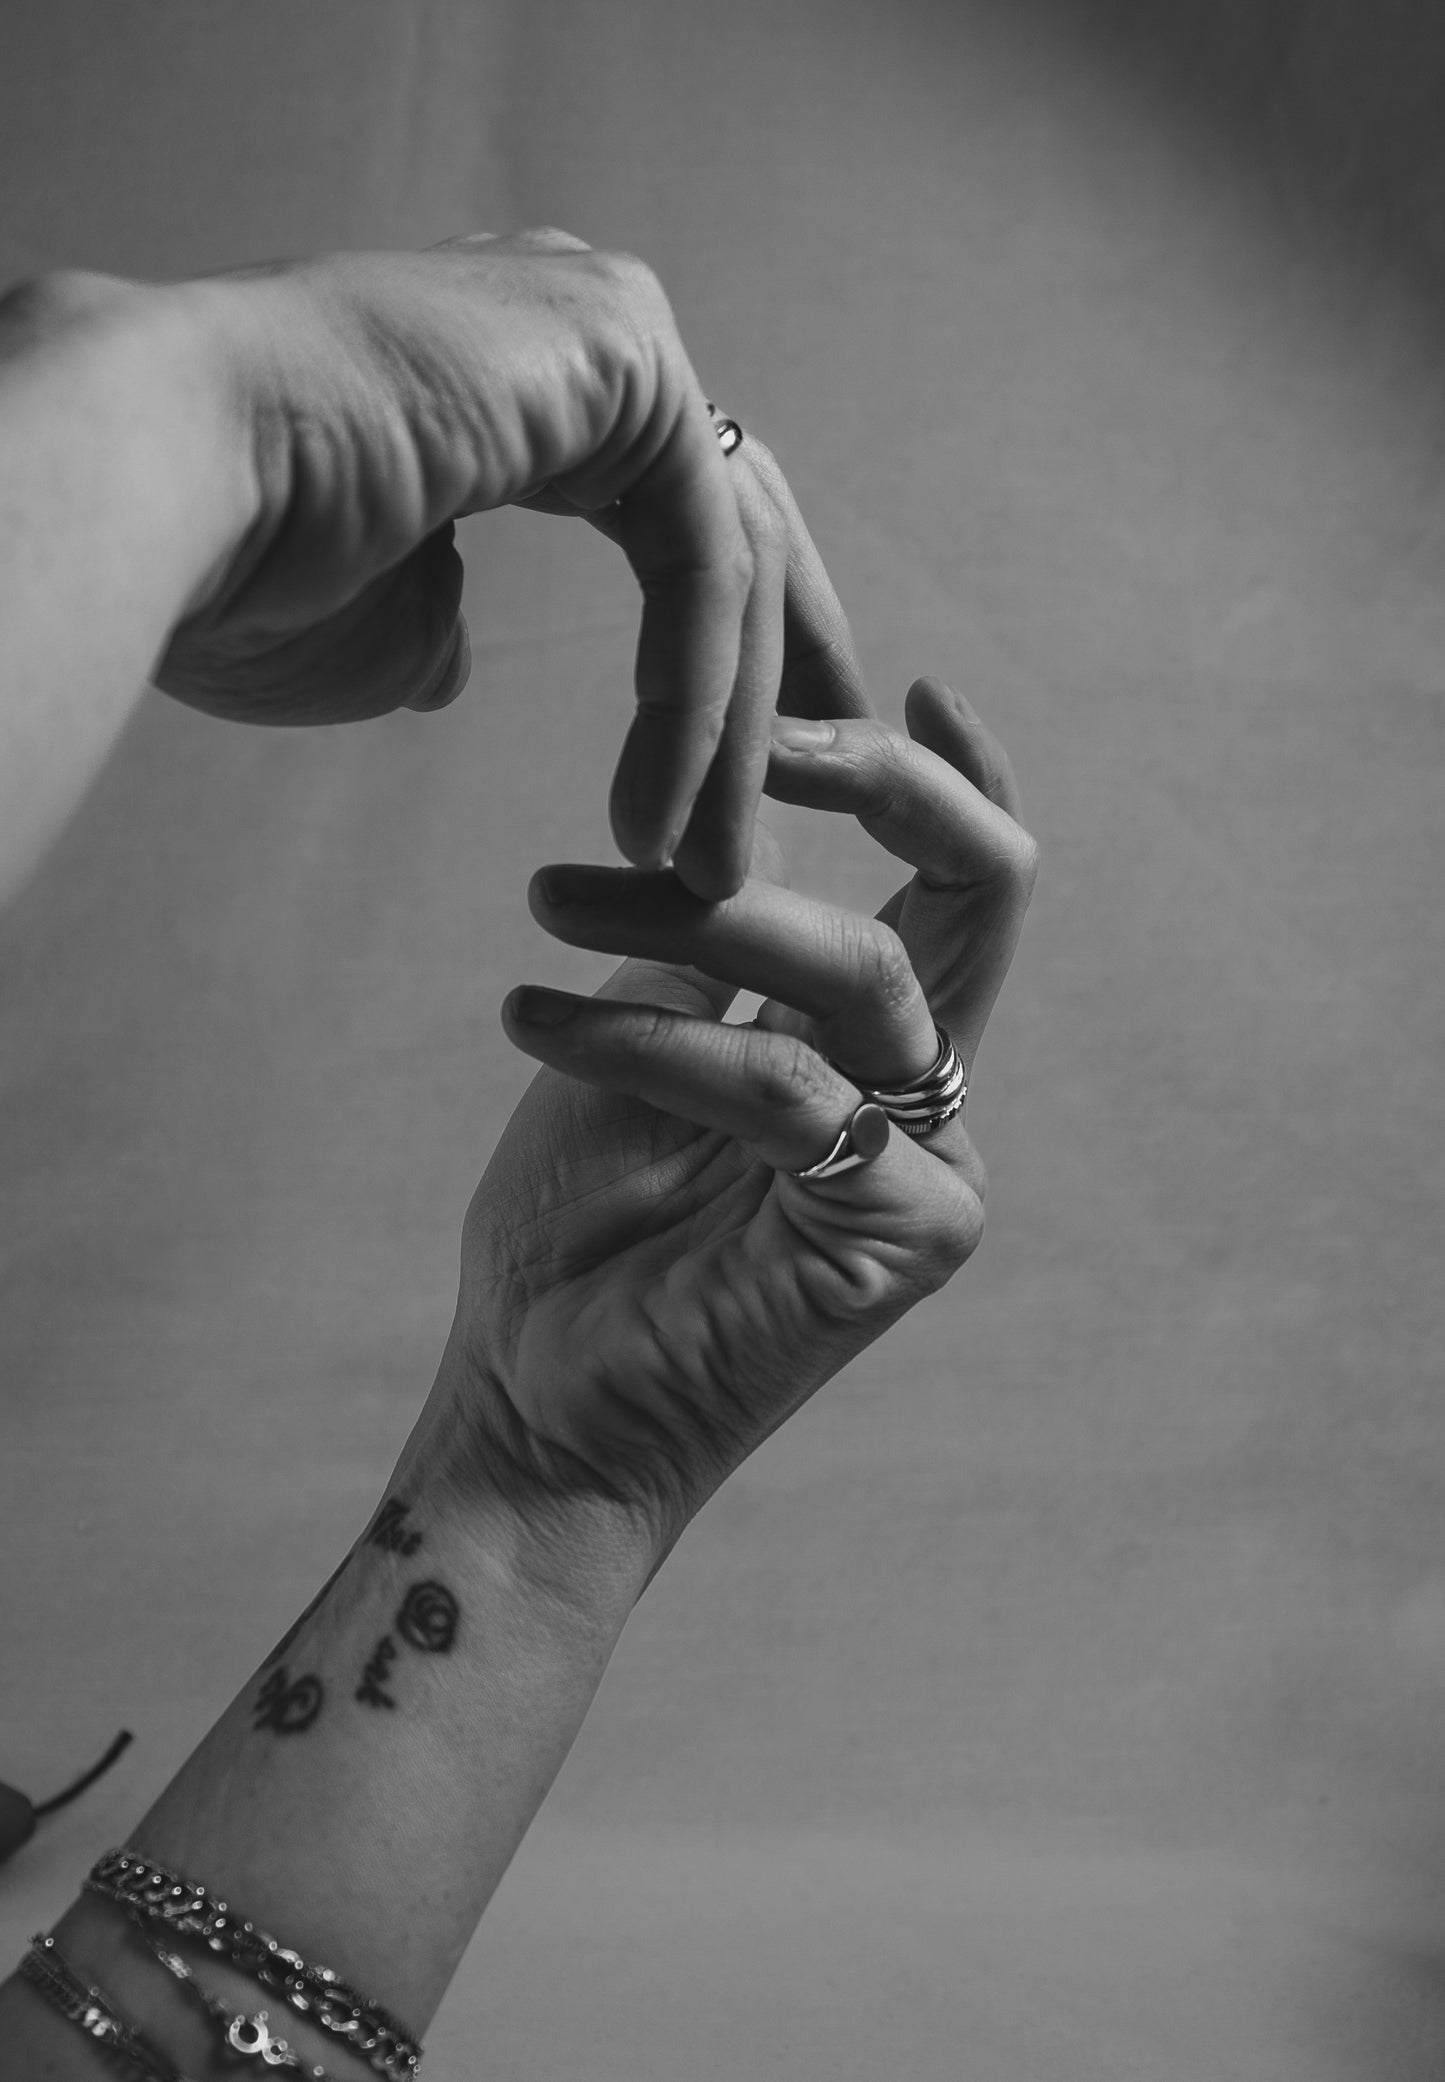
(722, 1040)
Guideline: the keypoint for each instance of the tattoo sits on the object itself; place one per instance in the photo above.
(374, 1676)
(428, 1618)
(287, 1708)
(297, 1624)
(390, 1531)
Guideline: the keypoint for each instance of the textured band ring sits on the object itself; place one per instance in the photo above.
(920, 1108)
(863, 1136)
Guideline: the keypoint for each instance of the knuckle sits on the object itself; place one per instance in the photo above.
(961, 1231)
(765, 464)
(880, 960)
(651, 1032)
(790, 1075)
(766, 525)
(1024, 863)
(46, 304)
(552, 237)
(632, 281)
(737, 570)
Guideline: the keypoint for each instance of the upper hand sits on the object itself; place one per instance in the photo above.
(646, 1291)
(385, 395)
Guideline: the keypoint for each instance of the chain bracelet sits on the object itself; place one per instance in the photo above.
(181, 1906)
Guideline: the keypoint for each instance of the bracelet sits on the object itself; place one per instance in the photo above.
(163, 1897)
(45, 1967)
(248, 2036)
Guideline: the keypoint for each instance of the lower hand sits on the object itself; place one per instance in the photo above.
(647, 1291)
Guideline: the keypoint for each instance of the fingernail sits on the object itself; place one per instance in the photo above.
(801, 734)
(536, 1007)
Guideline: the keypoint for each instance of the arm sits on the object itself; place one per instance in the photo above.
(121, 488)
(245, 487)
(645, 1295)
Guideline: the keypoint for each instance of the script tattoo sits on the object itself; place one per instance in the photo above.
(285, 1707)
(374, 1676)
(428, 1618)
(390, 1529)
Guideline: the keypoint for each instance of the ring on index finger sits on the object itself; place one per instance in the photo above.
(920, 1108)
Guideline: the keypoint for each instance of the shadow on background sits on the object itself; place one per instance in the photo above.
(1334, 105)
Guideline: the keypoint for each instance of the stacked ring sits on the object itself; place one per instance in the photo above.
(939, 1094)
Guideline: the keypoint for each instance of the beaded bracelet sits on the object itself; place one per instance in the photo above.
(46, 1968)
(180, 1905)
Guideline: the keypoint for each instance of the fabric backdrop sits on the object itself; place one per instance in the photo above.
(1061, 1694)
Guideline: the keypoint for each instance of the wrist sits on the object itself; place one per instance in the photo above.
(143, 370)
(572, 1547)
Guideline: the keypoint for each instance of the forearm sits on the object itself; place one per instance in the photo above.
(122, 485)
(361, 1797)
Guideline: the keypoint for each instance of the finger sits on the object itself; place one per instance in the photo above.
(821, 674)
(712, 858)
(916, 804)
(769, 1092)
(452, 675)
(959, 919)
(849, 975)
(680, 530)
(948, 723)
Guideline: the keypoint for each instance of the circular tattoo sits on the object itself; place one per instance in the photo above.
(428, 1618)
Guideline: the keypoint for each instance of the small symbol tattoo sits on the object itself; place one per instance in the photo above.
(428, 1618)
(287, 1708)
(390, 1531)
(374, 1676)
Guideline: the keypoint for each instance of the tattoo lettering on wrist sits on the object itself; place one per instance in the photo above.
(374, 1676)
(428, 1618)
(390, 1529)
(287, 1707)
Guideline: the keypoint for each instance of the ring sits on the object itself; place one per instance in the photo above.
(729, 433)
(864, 1136)
(938, 1095)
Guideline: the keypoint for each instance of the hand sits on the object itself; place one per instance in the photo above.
(386, 395)
(646, 1292)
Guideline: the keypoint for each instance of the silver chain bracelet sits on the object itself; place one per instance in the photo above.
(185, 1908)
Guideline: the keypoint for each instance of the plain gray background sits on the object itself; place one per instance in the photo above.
(1062, 1695)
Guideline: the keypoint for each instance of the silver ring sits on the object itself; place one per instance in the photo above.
(729, 433)
(863, 1136)
(918, 1109)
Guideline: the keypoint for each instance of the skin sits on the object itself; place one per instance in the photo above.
(244, 488)
(645, 1294)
